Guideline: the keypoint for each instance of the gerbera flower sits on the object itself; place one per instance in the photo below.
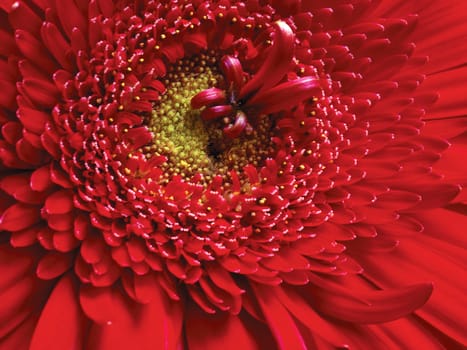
(240, 175)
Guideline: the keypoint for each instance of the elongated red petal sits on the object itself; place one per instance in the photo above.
(34, 51)
(157, 326)
(53, 265)
(286, 95)
(220, 331)
(60, 202)
(384, 306)
(32, 119)
(305, 314)
(19, 216)
(102, 305)
(278, 318)
(70, 16)
(56, 44)
(23, 17)
(223, 279)
(62, 324)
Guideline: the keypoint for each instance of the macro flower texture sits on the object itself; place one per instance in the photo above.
(222, 174)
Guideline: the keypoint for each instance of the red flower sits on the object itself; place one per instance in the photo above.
(253, 175)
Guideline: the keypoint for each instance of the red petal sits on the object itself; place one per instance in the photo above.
(200, 299)
(56, 44)
(278, 318)
(29, 153)
(70, 16)
(433, 195)
(17, 185)
(43, 93)
(20, 338)
(156, 325)
(106, 7)
(16, 288)
(449, 165)
(103, 304)
(19, 216)
(136, 249)
(234, 264)
(22, 17)
(8, 96)
(445, 225)
(60, 222)
(397, 199)
(32, 119)
(121, 256)
(144, 287)
(16, 305)
(412, 334)
(24, 237)
(14, 264)
(60, 78)
(384, 305)
(40, 179)
(65, 241)
(11, 132)
(220, 331)
(409, 263)
(286, 96)
(53, 265)
(60, 202)
(8, 46)
(92, 249)
(34, 51)
(305, 314)
(223, 279)
(432, 36)
(61, 325)
(139, 136)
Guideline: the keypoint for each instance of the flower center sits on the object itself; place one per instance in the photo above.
(191, 144)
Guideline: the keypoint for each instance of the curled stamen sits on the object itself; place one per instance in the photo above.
(233, 72)
(263, 93)
(215, 112)
(234, 130)
(208, 97)
(276, 64)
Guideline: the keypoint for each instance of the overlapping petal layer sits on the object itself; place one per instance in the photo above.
(348, 231)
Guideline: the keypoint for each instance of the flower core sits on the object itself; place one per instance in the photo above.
(193, 144)
(179, 133)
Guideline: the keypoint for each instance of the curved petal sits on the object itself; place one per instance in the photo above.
(278, 318)
(155, 325)
(382, 306)
(218, 331)
(62, 323)
(286, 95)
